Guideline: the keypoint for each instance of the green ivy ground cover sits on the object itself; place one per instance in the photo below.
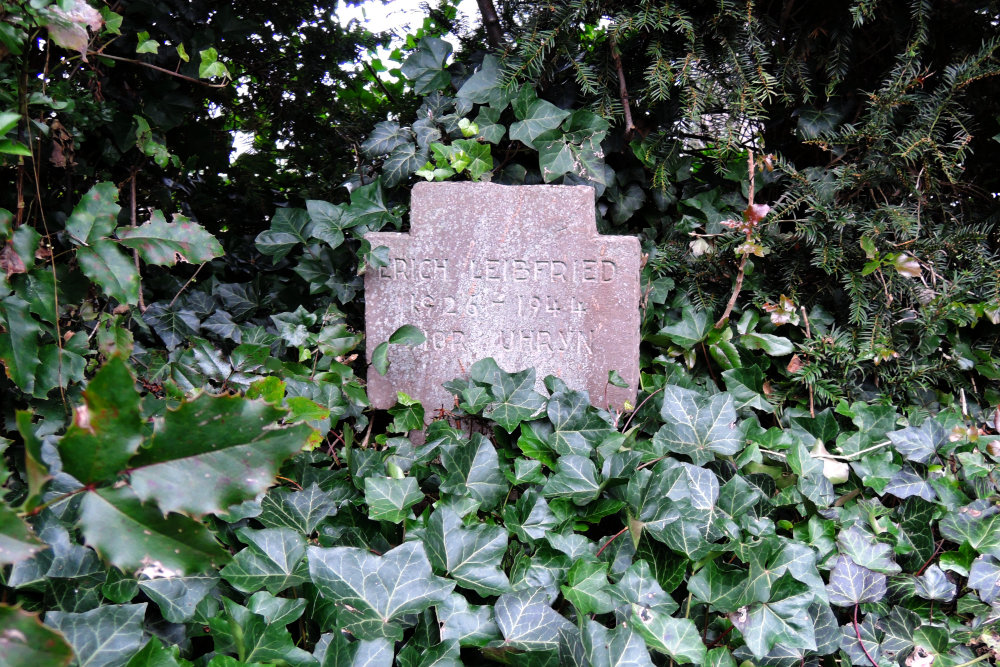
(536, 529)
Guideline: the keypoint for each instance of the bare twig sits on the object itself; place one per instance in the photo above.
(743, 262)
(184, 286)
(135, 251)
(158, 69)
(623, 91)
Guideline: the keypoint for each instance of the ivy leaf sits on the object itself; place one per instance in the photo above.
(480, 160)
(976, 524)
(104, 636)
(425, 68)
(228, 447)
(470, 625)
(132, 536)
(27, 642)
(299, 510)
(696, 426)
(527, 622)
(107, 429)
(514, 399)
(907, 483)
(576, 428)
(173, 324)
(775, 346)
(255, 637)
(536, 118)
(105, 264)
(385, 137)
(390, 499)
(722, 586)
(164, 243)
(919, 443)
(375, 594)
(851, 584)
(289, 228)
(984, 578)
(272, 560)
(747, 388)
(471, 555)
(866, 551)
(587, 587)
(334, 650)
(404, 160)
(782, 618)
(933, 584)
(177, 597)
(473, 469)
(620, 647)
(575, 479)
(690, 330)
(482, 87)
(530, 518)
(677, 637)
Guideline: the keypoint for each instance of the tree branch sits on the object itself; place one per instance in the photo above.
(623, 92)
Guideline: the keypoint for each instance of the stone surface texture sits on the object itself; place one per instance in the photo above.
(517, 273)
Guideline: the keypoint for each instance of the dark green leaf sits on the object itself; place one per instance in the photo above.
(697, 426)
(177, 597)
(273, 559)
(28, 643)
(108, 266)
(527, 622)
(390, 499)
(103, 637)
(851, 584)
(677, 637)
(375, 594)
(471, 555)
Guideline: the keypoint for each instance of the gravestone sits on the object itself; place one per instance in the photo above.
(517, 273)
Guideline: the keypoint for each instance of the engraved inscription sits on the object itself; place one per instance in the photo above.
(519, 274)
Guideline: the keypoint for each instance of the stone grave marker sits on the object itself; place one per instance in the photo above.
(517, 273)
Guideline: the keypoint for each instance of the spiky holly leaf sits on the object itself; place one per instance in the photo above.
(27, 642)
(227, 447)
(165, 243)
(135, 536)
(107, 429)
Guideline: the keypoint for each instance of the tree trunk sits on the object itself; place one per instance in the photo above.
(494, 33)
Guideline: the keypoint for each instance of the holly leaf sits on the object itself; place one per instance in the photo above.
(17, 541)
(133, 536)
(227, 447)
(851, 584)
(27, 642)
(107, 429)
(96, 216)
(696, 426)
(101, 637)
(374, 595)
(273, 560)
(471, 555)
(165, 243)
(19, 342)
(105, 264)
